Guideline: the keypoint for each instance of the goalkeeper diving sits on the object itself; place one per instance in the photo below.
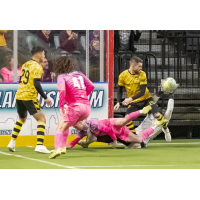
(147, 123)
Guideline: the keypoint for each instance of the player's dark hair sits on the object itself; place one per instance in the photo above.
(136, 59)
(64, 64)
(37, 49)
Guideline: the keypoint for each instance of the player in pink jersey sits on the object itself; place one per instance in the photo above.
(115, 128)
(74, 88)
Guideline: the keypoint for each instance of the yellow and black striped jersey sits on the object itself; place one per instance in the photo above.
(29, 71)
(132, 84)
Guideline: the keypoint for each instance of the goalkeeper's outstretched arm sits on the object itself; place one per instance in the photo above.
(170, 107)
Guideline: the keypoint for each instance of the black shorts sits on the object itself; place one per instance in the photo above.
(31, 106)
(132, 107)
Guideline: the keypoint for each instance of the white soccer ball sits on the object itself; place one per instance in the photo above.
(168, 85)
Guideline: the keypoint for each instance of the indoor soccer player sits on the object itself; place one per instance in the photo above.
(74, 88)
(135, 82)
(116, 128)
(149, 118)
(26, 99)
(147, 123)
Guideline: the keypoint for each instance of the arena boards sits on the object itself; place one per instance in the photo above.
(8, 113)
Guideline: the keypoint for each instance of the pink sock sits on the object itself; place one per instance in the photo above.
(132, 116)
(64, 138)
(75, 141)
(145, 134)
(58, 139)
(79, 136)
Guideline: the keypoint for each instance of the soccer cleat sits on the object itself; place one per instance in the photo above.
(114, 144)
(63, 151)
(55, 153)
(168, 137)
(90, 138)
(146, 109)
(11, 145)
(161, 122)
(41, 149)
(133, 146)
(144, 143)
(84, 144)
(52, 150)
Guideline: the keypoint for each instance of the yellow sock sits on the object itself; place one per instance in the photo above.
(131, 127)
(17, 129)
(160, 117)
(40, 133)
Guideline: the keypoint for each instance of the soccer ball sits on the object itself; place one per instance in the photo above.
(168, 85)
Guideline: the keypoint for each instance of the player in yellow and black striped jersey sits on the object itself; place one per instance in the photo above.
(26, 99)
(135, 82)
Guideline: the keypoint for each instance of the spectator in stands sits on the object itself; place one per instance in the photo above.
(95, 42)
(68, 40)
(124, 39)
(7, 70)
(2, 46)
(47, 75)
(46, 39)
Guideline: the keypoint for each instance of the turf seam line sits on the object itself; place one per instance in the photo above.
(19, 156)
(127, 166)
(175, 143)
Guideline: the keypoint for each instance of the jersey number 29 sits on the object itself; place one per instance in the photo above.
(26, 73)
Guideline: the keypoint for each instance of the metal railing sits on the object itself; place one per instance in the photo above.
(180, 59)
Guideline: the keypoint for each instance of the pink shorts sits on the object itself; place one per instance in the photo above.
(121, 132)
(75, 113)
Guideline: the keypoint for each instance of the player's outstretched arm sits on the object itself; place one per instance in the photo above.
(41, 92)
(138, 95)
(170, 106)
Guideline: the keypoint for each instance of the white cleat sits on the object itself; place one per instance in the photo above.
(83, 144)
(11, 145)
(168, 137)
(90, 138)
(114, 144)
(41, 149)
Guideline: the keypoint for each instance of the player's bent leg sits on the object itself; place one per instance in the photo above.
(132, 116)
(15, 133)
(79, 136)
(153, 131)
(131, 108)
(40, 118)
(134, 138)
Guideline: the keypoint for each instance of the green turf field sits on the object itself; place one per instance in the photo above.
(179, 154)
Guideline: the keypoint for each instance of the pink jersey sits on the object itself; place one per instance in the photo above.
(101, 127)
(108, 127)
(8, 76)
(74, 88)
